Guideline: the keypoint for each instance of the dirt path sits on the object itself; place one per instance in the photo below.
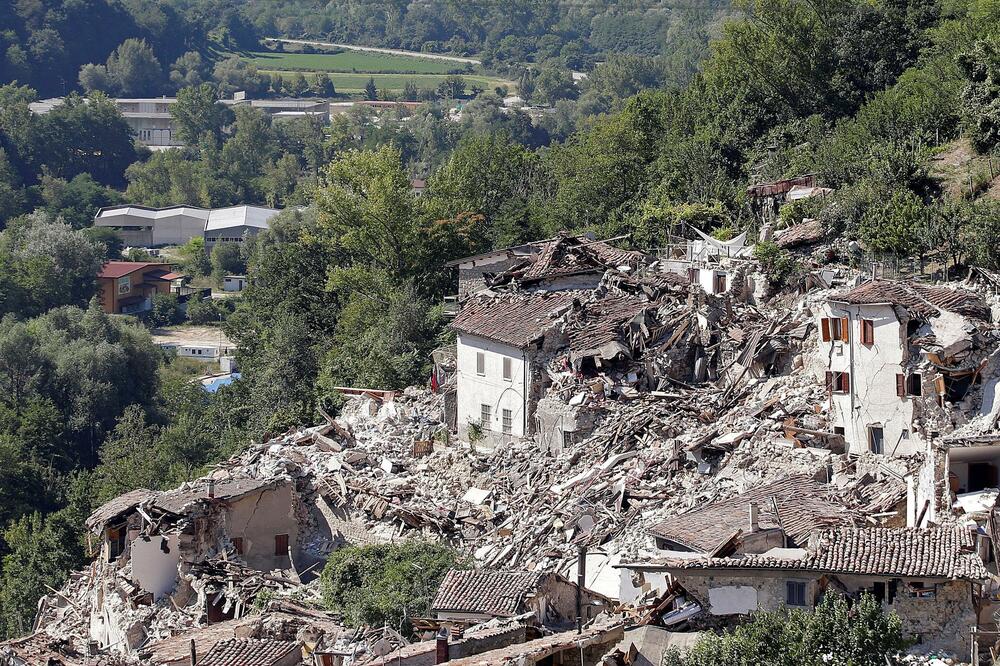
(373, 49)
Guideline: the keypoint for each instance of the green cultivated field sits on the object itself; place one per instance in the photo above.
(346, 82)
(348, 61)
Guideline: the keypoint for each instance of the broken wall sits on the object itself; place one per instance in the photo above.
(558, 423)
(258, 519)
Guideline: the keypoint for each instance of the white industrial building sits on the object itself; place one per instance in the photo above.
(140, 226)
(175, 225)
(234, 224)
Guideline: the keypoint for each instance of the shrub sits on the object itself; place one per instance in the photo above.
(165, 311)
(385, 583)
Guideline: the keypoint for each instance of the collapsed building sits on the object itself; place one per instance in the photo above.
(690, 452)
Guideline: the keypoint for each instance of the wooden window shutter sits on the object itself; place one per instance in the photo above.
(845, 382)
(867, 332)
(900, 384)
(939, 385)
(845, 331)
(826, 332)
(829, 380)
(281, 544)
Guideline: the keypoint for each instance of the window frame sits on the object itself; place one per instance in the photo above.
(794, 591)
(508, 369)
(867, 332)
(481, 364)
(507, 421)
(870, 431)
(485, 416)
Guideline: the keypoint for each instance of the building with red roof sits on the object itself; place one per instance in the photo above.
(128, 287)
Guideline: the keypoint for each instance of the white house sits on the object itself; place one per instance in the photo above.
(894, 355)
(499, 381)
(234, 282)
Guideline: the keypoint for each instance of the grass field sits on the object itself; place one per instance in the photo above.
(348, 61)
(346, 82)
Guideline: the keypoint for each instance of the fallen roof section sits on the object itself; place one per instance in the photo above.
(533, 652)
(803, 506)
(919, 299)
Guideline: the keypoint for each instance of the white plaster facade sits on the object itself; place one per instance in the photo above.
(870, 403)
(481, 381)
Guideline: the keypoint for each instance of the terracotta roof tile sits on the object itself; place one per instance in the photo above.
(569, 255)
(919, 299)
(248, 652)
(803, 506)
(871, 551)
(498, 593)
(514, 319)
(602, 322)
(117, 269)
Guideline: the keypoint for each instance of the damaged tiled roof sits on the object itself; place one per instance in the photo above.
(871, 551)
(248, 652)
(569, 255)
(808, 231)
(920, 299)
(177, 500)
(498, 593)
(803, 506)
(600, 324)
(117, 506)
(514, 319)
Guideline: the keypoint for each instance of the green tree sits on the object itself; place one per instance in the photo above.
(371, 92)
(296, 85)
(554, 84)
(42, 552)
(130, 457)
(134, 69)
(95, 77)
(165, 311)
(369, 213)
(198, 111)
(188, 70)
(227, 259)
(385, 584)
(496, 177)
(836, 632)
(44, 263)
(194, 258)
(76, 200)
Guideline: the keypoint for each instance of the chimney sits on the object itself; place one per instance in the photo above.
(441, 647)
(754, 517)
(211, 488)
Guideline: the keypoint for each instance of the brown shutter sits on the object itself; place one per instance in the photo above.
(845, 382)
(826, 331)
(829, 379)
(900, 385)
(867, 332)
(845, 331)
(939, 385)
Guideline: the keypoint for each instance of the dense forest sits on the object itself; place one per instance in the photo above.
(867, 95)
